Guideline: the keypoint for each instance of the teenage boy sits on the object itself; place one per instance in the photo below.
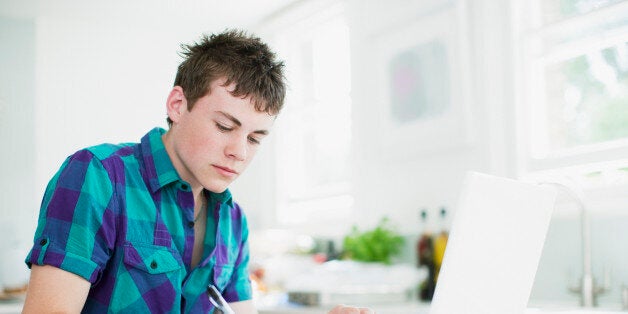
(147, 227)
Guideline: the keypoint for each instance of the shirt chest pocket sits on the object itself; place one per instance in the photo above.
(147, 267)
(151, 259)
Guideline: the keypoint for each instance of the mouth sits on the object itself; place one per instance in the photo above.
(225, 171)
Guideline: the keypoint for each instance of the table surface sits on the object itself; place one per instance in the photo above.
(15, 307)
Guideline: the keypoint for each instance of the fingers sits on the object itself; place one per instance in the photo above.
(364, 310)
(345, 309)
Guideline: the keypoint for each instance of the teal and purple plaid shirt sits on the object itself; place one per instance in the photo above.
(121, 217)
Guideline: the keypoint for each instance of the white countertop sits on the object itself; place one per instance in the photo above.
(407, 308)
(423, 308)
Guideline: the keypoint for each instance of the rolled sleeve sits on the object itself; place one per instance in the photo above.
(76, 219)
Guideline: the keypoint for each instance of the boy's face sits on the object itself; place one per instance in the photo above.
(211, 145)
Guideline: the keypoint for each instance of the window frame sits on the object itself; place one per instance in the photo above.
(529, 36)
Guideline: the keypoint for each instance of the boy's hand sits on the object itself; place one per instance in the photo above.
(345, 309)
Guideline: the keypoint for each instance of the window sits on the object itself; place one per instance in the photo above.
(552, 11)
(314, 131)
(574, 62)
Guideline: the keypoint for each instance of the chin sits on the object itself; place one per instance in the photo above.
(216, 188)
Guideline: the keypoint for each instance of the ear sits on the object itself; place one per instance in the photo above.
(176, 103)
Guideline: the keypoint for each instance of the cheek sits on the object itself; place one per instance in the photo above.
(198, 144)
(206, 146)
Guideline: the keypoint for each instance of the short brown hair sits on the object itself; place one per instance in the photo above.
(239, 58)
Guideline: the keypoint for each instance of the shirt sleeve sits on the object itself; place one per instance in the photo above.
(239, 287)
(76, 225)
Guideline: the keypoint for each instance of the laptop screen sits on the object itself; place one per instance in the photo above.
(494, 246)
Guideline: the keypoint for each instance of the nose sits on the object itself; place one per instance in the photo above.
(237, 149)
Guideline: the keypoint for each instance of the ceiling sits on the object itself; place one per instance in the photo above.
(213, 13)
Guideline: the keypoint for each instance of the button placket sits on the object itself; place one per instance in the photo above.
(185, 201)
(185, 189)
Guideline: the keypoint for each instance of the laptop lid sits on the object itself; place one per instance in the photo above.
(494, 246)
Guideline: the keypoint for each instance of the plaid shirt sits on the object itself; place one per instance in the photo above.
(121, 217)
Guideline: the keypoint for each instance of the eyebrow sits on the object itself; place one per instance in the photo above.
(239, 124)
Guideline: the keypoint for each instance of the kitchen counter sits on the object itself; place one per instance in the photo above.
(406, 308)
(424, 308)
(15, 307)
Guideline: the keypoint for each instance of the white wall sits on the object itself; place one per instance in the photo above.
(17, 130)
(398, 181)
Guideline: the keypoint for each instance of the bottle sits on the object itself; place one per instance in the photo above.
(332, 254)
(440, 243)
(425, 258)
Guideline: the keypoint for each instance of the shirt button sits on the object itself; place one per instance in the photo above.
(184, 187)
(191, 224)
(153, 264)
(43, 242)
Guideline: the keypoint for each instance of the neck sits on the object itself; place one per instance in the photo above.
(178, 165)
(200, 205)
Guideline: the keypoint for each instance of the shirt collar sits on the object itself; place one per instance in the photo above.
(160, 169)
(223, 198)
(157, 163)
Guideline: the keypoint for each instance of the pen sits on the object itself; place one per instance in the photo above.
(216, 299)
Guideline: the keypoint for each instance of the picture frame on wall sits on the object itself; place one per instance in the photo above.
(423, 92)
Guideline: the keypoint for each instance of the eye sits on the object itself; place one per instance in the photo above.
(223, 128)
(253, 140)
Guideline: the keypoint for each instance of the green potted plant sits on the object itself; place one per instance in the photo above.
(377, 245)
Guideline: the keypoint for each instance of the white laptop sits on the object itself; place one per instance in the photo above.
(494, 246)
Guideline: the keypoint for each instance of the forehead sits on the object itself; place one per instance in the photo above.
(221, 102)
(260, 104)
